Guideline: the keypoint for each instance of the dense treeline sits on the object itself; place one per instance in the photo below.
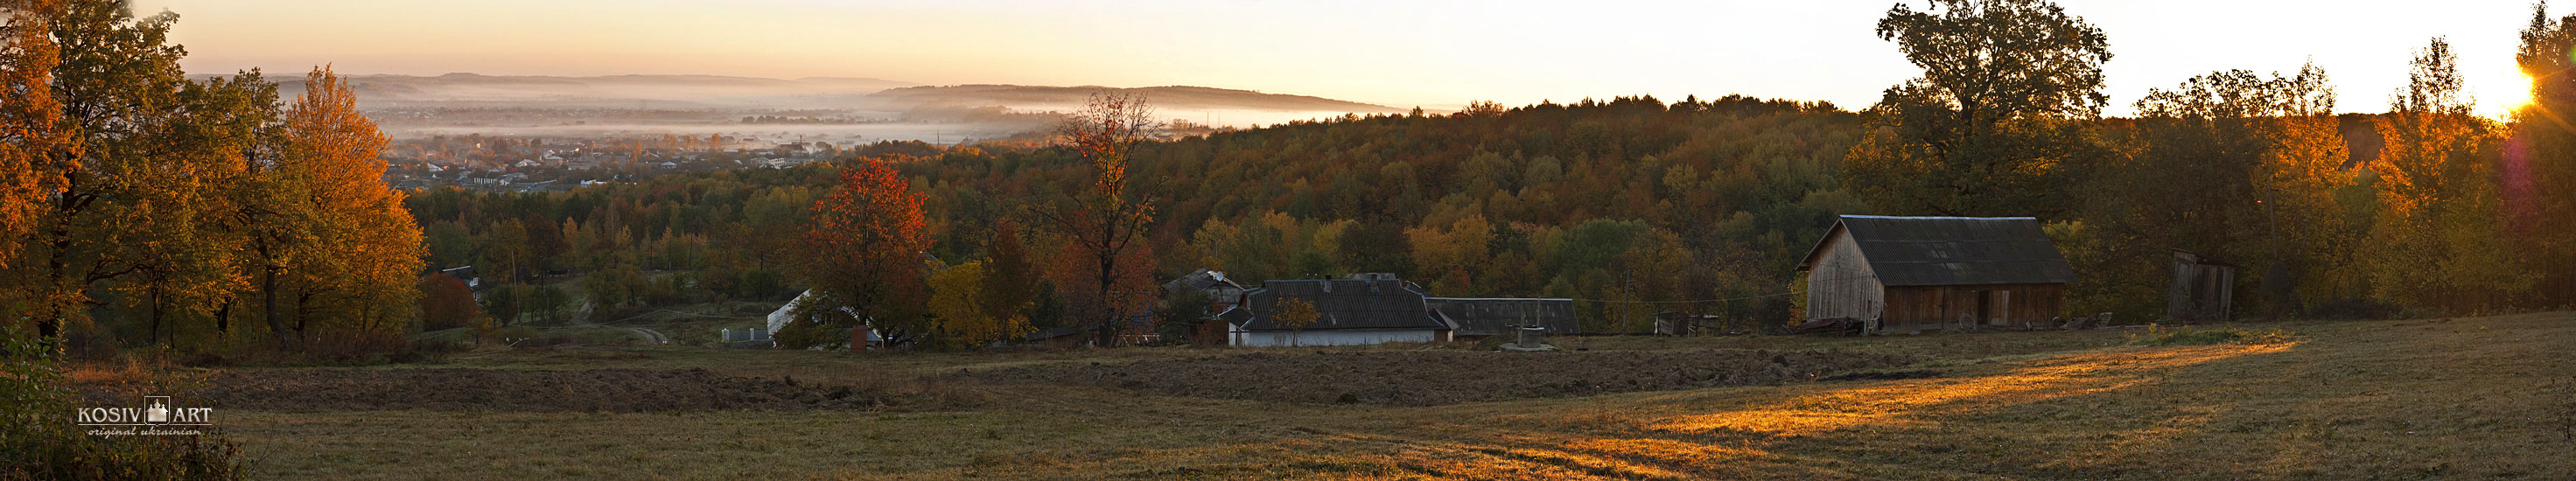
(1630, 199)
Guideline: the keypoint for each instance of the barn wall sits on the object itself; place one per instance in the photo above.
(1841, 283)
(1912, 308)
(1335, 337)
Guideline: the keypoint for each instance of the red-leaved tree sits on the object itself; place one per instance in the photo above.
(865, 251)
(446, 303)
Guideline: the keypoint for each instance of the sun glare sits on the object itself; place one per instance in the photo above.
(2515, 98)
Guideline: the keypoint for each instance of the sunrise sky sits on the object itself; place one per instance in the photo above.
(1432, 54)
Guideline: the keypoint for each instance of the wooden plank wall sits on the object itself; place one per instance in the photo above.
(1912, 308)
(1841, 283)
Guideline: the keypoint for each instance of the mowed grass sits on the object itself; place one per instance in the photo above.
(2469, 398)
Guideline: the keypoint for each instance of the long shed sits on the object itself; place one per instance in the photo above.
(1918, 273)
(1490, 316)
(1350, 312)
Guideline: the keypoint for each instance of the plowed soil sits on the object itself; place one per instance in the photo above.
(1428, 378)
(610, 390)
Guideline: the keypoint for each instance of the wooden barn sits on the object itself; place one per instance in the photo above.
(1907, 274)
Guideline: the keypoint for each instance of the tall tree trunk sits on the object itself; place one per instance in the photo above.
(155, 314)
(224, 316)
(268, 308)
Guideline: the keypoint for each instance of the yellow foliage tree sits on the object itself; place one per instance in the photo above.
(960, 298)
(2433, 243)
(1296, 314)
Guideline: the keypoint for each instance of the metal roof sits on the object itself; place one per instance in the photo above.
(1200, 280)
(1489, 316)
(1343, 303)
(1949, 251)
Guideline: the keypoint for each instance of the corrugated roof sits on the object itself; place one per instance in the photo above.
(1343, 303)
(1489, 316)
(1948, 251)
(1200, 280)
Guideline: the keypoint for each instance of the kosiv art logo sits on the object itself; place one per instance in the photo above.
(157, 416)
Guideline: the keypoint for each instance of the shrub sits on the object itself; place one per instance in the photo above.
(44, 443)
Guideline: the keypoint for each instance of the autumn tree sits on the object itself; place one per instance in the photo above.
(446, 303)
(127, 175)
(865, 251)
(356, 249)
(2435, 243)
(2001, 110)
(1296, 314)
(966, 310)
(2538, 166)
(1011, 280)
(33, 140)
(1106, 268)
(2261, 158)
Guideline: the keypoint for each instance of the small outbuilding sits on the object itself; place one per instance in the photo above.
(2204, 289)
(1904, 274)
(1350, 312)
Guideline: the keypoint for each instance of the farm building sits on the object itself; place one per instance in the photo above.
(1351, 312)
(778, 319)
(2204, 289)
(1222, 292)
(1916, 273)
(1478, 317)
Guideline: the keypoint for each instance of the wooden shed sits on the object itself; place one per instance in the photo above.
(2203, 289)
(1904, 274)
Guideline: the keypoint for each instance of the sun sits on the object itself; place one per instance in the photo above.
(2518, 96)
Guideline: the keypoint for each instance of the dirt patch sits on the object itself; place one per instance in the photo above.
(611, 390)
(1428, 378)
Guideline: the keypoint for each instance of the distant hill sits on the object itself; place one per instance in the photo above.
(1027, 97)
(728, 92)
(610, 91)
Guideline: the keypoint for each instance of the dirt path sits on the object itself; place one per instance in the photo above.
(581, 317)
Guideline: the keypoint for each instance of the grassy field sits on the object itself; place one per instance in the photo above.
(2490, 397)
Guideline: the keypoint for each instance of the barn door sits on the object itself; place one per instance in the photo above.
(1998, 308)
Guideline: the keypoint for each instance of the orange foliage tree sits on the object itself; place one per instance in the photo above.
(32, 141)
(336, 240)
(1107, 265)
(865, 251)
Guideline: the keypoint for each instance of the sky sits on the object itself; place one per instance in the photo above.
(1434, 54)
